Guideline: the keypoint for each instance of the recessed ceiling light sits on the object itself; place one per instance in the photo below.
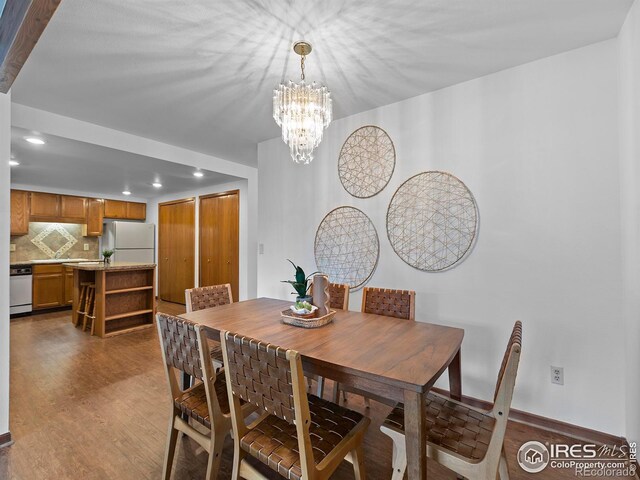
(198, 174)
(157, 184)
(35, 140)
(14, 163)
(126, 192)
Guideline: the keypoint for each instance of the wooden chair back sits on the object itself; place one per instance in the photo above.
(389, 302)
(185, 349)
(271, 378)
(503, 396)
(338, 295)
(200, 298)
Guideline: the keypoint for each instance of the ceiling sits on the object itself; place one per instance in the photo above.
(77, 166)
(200, 73)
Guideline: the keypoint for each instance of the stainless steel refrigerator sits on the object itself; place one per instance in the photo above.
(131, 242)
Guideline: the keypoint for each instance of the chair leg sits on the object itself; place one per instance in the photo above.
(237, 459)
(172, 440)
(215, 455)
(320, 391)
(357, 456)
(399, 453)
(503, 467)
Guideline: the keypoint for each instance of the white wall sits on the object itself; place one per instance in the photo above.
(537, 145)
(5, 176)
(629, 45)
(247, 248)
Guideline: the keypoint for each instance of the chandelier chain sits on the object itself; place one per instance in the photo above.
(302, 57)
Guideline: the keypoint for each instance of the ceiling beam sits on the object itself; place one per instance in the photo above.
(21, 24)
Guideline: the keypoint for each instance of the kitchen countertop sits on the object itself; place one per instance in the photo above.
(51, 261)
(114, 266)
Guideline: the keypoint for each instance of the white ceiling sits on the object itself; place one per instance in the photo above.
(200, 73)
(66, 164)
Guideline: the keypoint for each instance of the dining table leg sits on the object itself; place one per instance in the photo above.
(415, 429)
(455, 378)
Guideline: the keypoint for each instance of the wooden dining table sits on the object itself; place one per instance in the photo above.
(392, 358)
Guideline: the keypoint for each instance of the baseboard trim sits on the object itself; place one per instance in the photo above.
(545, 423)
(5, 440)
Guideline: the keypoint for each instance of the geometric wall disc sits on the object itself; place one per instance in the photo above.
(347, 247)
(366, 161)
(432, 221)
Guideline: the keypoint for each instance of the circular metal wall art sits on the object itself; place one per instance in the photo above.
(432, 221)
(366, 161)
(347, 247)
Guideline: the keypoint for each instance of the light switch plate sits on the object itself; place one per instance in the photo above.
(86, 247)
(261, 249)
(12, 247)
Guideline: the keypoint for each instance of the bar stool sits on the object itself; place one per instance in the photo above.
(88, 311)
(84, 287)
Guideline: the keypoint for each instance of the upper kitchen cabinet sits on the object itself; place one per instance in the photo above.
(125, 210)
(95, 217)
(51, 207)
(73, 208)
(115, 209)
(45, 206)
(136, 211)
(19, 212)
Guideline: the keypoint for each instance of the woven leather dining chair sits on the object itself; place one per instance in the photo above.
(338, 295)
(464, 439)
(299, 436)
(200, 298)
(185, 349)
(386, 302)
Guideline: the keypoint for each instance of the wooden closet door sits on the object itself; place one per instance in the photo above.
(176, 249)
(219, 240)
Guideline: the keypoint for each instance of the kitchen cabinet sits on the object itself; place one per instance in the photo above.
(45, 206)
(115, 209)
(52, 286)
(95, 217)
(68, 285)
(48, 286)
(136, 211)
(20, 208)
(73, 208)
(125, 210)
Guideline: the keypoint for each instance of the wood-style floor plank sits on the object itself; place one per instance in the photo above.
(89, 408)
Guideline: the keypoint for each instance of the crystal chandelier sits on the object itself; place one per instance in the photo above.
(302, 111)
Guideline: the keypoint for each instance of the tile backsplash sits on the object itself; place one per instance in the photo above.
(46, 240)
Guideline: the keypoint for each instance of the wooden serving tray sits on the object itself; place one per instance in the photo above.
(291, 318)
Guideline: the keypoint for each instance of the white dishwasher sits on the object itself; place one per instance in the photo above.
(20, 285)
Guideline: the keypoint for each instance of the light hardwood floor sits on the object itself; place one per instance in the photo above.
(89, 408)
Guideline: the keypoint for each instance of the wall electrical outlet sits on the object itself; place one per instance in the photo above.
(86, 247)
(557, 375)
(12, 247)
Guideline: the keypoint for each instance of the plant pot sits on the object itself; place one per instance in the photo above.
(107, 260)
(306, 298)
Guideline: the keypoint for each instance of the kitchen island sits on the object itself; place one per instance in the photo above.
(124, 295)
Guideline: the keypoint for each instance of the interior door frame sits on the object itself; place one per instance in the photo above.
(195, 237)
(205, 197)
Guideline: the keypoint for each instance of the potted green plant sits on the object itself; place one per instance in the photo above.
(300, 284)
(106, 253)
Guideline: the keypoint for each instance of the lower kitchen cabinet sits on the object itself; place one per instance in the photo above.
(52, 286)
